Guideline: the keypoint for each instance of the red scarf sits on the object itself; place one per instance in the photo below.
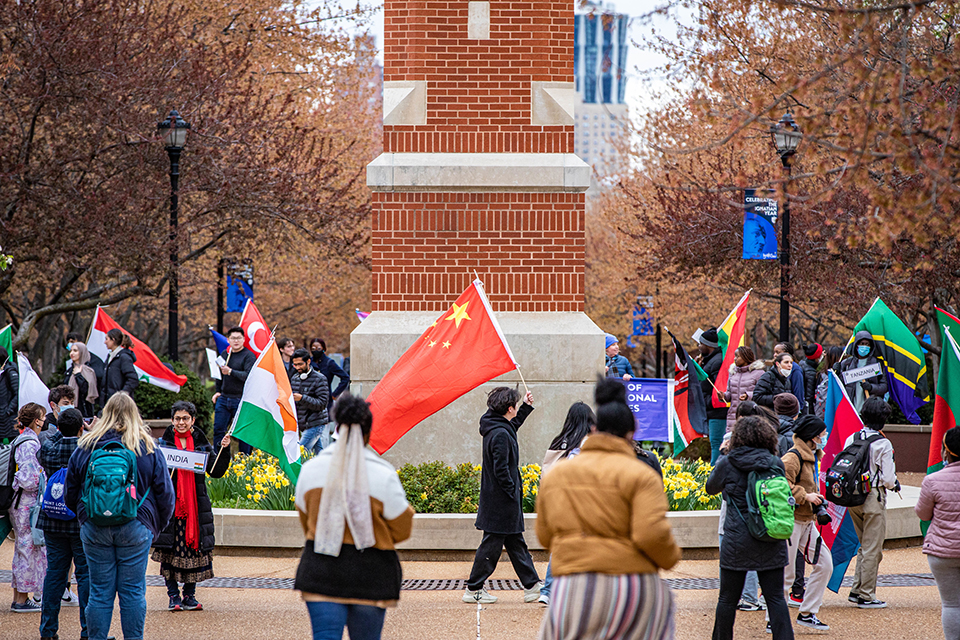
(187, 494)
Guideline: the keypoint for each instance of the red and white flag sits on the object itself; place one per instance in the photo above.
(460, 351)
(148, 365)
(255, 332)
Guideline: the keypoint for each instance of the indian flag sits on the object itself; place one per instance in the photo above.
(731, 336)
(267, 416)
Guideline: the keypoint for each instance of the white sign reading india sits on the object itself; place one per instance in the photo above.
(195, 461)
(856, 375)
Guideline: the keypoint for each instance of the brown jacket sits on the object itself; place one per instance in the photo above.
(604, 511)
(801, 478)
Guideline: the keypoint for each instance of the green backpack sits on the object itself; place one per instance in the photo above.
(770, 504)
(110, 488)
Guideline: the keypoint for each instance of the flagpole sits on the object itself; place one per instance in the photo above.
(525, 387)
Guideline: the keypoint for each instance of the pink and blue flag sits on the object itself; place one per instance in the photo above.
(842, 421)
(362, 315)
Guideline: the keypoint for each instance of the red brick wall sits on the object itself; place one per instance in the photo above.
(528, 249)
(478, 91)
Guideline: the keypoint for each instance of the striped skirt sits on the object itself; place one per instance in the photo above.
(595, 606)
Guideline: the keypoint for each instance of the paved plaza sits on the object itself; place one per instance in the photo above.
(266, 612)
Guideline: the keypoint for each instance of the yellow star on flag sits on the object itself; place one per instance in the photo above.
(446, 345)
(433, 342)
(459, 313)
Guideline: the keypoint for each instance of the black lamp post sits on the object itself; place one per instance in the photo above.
(786, 138)
(173, 133)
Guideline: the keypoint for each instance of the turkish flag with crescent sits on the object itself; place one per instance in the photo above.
(460, 351)
(255, 331)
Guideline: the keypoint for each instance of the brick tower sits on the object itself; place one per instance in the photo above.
(478, 175)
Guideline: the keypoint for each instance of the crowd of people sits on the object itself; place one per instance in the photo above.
(95, 493)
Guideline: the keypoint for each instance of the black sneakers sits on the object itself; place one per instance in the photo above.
(812, 621)
(190, 603)
(175, 604)
(871, 604)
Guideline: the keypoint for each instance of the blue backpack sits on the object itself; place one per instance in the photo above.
(110, 488)
(53, 503)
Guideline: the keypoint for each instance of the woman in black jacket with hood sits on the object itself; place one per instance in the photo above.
(775, 381)
(753, 447)
(184, 548)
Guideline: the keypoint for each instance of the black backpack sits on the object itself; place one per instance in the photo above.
(848, 480)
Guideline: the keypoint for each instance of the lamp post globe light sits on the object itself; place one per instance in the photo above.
(786, 138)
(173, 134)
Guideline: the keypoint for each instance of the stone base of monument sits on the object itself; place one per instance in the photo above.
(560, 355)
(256, 531)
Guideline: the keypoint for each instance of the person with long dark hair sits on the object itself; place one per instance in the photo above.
(603, 516)
(753, 447)
(579, 423)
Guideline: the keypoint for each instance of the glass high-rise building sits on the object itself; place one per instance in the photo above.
(600, 55)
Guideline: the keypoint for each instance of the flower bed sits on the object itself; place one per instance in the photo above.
(256, 482)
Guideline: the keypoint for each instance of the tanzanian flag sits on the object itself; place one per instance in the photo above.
(901, 355)
(689, 409)
(730, 335)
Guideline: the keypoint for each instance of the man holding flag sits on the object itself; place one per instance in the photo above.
(711, 363)
(690, 413)
(235, 365)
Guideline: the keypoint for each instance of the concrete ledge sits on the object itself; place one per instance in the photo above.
(500, 172)
(456, 532)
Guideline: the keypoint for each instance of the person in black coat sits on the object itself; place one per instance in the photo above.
(500, 514)
(119, 374)
(184, 547)
(775, 381)
(753, 447)
(310, 393)
(9, 398)
(711, 361)
(811, 377)
(864, 354)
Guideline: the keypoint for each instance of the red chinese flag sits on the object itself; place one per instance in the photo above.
(460, 351)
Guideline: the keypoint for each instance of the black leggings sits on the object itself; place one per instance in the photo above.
(731, 586)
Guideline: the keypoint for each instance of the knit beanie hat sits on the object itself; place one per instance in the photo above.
(709, 338)
(809, 427)
(786, 404)
(611, 340)
(813, 351)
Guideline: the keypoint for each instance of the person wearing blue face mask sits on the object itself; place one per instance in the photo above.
(864, 354)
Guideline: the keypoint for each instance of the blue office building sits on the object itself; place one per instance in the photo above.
(600, 55)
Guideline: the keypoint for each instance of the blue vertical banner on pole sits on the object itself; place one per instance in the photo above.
(759, 226)
(649, 400)
(642, 320)
(239, 286)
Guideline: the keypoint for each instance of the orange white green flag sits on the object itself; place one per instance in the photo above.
(731, 335)
(267, 416)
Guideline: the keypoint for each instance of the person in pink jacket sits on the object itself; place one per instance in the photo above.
(745, 371)
(939, 503)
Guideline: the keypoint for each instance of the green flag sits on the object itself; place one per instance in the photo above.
(902, 358)
(946, 407)
(6, 340)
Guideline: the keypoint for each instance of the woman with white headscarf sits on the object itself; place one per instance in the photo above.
(353, 511)
(81, 378)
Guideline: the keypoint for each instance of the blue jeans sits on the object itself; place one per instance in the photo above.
(223, 413)
(62, 549)
(363, 622)
(717, 429)
(312, 439)
(117, 559)
(547, 580)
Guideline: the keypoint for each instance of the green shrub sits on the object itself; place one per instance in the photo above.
(433, 487)
(154, 402)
